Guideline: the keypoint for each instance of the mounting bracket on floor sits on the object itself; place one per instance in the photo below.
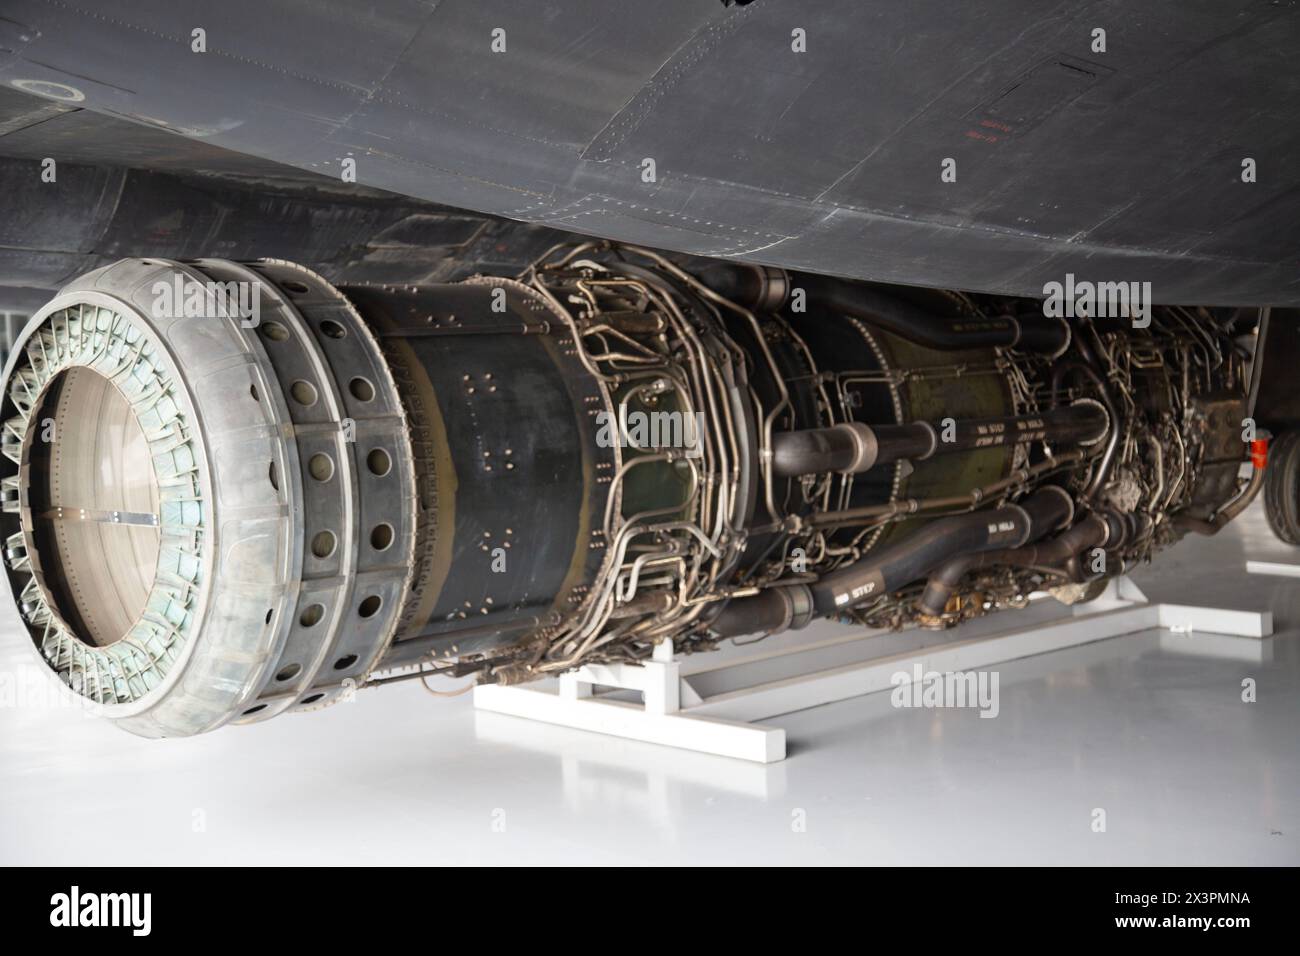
(676, 715)
(1278, 568)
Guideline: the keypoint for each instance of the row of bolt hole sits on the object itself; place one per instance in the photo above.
(321, 468)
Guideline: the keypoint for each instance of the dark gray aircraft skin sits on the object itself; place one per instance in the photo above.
(1119, 163)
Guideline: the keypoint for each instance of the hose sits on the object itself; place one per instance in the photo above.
(916, 557)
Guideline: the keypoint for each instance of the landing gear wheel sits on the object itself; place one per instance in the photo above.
(1282, 487)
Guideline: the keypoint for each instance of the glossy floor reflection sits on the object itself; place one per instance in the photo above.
(1150, 728)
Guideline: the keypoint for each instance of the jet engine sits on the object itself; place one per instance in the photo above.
(232, 490)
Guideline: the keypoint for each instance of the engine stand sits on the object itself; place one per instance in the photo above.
(675, 714)
(1278, 568)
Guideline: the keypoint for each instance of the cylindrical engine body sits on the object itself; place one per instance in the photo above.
(235, 490)
(512, 484)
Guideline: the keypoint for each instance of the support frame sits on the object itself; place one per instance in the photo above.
(727, 724)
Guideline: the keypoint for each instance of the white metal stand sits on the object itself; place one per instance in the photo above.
(1273, 567)
(676, 715)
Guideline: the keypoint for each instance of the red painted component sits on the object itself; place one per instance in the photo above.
(1259, 452)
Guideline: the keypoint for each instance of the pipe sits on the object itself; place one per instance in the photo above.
(849, 447)
(907, 321)
(854, 447)
(1083, 423)
(1009, 526)
(1108, 456)
(1216, 523)
(788, 607)
(1108, 529)
(757, 288)
(1093, 531)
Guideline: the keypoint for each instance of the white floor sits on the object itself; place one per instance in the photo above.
(1150, 728)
